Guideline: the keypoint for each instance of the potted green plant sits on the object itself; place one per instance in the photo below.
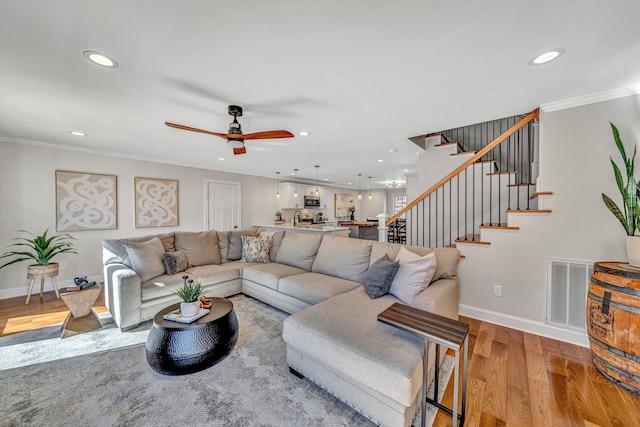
(41, 249)
(630, 213)
(278, 216)
(189, 294)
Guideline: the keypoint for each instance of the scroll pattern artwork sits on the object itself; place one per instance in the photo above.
(156, 202)
(85, 201)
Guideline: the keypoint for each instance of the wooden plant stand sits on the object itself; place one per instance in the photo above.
(42, 272)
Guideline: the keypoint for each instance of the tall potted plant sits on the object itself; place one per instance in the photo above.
(41, 249)
(630, 213)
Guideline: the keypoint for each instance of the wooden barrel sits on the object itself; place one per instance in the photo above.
(613, 323)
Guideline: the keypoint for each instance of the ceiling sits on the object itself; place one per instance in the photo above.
(361, 76)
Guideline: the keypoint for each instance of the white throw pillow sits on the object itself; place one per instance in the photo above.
(255, 249)
(414, 275)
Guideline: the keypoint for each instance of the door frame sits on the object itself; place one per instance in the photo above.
(209, 181)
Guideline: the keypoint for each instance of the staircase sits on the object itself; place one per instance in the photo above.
(493, 179)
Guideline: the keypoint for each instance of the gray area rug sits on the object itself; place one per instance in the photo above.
(114, 386)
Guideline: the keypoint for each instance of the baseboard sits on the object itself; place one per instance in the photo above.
(526, 325)
(48, 287)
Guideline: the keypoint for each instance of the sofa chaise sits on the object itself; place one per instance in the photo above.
(331, 286)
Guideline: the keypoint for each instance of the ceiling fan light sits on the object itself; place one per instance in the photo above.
(236, 143)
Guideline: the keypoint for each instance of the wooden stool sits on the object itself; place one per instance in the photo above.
(41, 272)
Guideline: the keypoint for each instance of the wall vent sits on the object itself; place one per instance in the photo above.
(568, 284)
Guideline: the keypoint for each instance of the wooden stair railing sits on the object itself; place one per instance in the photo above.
(457, 171)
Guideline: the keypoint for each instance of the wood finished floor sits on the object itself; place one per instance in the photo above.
(514, 378)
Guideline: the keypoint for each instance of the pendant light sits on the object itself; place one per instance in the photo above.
(295, 180)
(317, 191)
(359, 191)
(370, 196)
(278, 185)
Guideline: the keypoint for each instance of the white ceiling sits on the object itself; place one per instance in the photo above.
(361, 76)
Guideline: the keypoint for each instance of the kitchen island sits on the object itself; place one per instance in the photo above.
(367, 230)
(328, 230)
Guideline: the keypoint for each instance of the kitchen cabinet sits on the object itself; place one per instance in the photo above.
(287, 201)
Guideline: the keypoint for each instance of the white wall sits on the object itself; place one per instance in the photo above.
(27, 201)
(575, 145)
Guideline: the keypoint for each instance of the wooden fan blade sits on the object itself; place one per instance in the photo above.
(237, 151)
(270, 134)
(177, 126)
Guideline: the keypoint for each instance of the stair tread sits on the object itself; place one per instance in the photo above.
(464, 152)
(529, 210)
(501, 173)
(444, 144)
(520, 185)
(540, 193)
(472, 238)
(477, 242)
(500, 227)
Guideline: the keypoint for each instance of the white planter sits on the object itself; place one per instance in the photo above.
(188, 309)
(633, 250)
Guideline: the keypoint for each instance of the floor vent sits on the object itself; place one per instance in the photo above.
(568, 284)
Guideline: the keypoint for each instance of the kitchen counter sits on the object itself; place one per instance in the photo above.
(359, 224)
(311, 228)
(366, 230)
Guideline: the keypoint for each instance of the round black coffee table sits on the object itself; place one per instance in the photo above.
(175, 348)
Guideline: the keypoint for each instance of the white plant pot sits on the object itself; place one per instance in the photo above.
(188, 309)
(633, 251)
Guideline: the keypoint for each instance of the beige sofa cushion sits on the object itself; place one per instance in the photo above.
(114, 251)
(447, 259)
(313, 288)
(344, 258)
(299, 250)
(269, 274)
(377, 355)
(200, 248)
(146, 258)
(213, 273)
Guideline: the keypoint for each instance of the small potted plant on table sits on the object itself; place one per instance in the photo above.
(189, 293)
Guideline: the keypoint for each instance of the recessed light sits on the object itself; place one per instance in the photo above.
(406, 170)
(547, 56)
(100, 59)
(380, 160)
(221, 158)
(304, 133)
(77, 133)
(326, 179)
(392, 150)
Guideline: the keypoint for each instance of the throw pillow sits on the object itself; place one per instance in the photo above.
(413, 276)
(255, 249)
(146, 258)
(276, 240)
(174, 262)
(200, 248)
(235, 243)
(379, 277)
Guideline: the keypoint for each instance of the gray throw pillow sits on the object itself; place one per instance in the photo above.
(379, 277)
(174, 262)
(235, 243)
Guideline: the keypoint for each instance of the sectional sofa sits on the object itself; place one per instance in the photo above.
(334, 288)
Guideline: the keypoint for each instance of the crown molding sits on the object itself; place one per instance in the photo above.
(591, 99)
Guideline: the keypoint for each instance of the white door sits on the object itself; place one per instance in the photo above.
(222, 205)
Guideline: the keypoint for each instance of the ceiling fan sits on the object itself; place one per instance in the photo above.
(235, 138)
